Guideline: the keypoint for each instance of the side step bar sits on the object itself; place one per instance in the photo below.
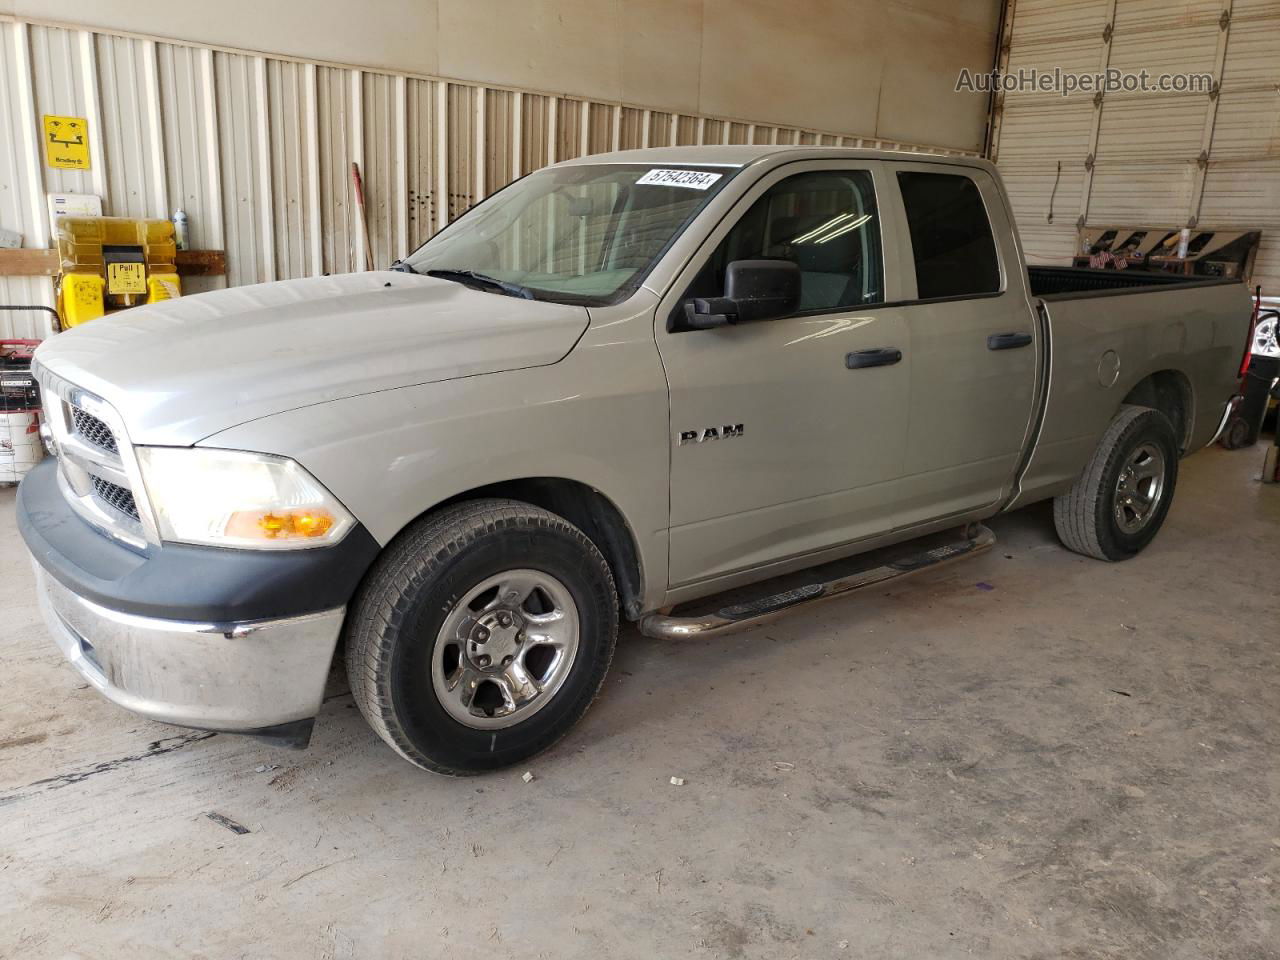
(972, 540)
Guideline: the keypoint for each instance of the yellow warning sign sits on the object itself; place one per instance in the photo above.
(66, 142)
(126, 278)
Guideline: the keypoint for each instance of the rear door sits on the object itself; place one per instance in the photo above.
(974, 344)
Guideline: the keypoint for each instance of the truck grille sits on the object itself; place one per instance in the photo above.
(114, 496)
(94, 430)
(97, 469)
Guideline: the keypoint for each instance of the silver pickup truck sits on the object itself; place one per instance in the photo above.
(688, 387)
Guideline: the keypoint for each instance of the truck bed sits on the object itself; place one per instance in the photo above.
(1072, 283)
(1188, 331)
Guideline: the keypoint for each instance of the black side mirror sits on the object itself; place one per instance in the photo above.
(753, 290)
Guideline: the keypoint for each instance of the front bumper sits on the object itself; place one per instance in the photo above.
(234, 640)
(265, 677)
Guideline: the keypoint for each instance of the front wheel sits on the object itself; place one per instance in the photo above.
(482, 636)
(1119, 501)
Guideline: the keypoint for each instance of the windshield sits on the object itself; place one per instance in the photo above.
(585, 234)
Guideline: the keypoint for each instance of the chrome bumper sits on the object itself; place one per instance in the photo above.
(240, 678)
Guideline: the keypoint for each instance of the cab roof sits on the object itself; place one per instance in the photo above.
(742, 155)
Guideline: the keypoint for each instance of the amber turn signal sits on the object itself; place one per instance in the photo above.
(297, 523)
(304, 524)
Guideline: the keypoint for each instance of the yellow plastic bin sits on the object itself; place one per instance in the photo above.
(112, 263)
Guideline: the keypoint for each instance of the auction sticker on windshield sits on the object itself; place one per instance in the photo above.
(694, 179)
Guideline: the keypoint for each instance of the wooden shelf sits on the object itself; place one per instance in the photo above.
(202, 263)
(28, 263)
(44, 263)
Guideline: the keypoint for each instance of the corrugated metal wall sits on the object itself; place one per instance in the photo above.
(257, 150)
(1200, 159)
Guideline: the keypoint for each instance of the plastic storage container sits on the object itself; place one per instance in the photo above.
(20, 447)
(110, 263)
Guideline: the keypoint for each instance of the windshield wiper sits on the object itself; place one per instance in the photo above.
(471, 277)
(403, 266)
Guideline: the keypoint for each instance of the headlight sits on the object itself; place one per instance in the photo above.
(227, 498)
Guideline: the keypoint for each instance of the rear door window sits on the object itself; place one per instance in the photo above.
(951, 239)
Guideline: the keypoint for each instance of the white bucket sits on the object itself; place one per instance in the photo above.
(20, 447)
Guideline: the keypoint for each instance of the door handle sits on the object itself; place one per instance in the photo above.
(878, 357)
(1008, 341)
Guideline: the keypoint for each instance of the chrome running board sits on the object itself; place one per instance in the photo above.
(969, 541)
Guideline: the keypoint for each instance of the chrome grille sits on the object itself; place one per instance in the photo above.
(97, 469)
(115, 496)
(93, 430)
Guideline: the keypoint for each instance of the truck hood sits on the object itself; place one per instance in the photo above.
(181, 370)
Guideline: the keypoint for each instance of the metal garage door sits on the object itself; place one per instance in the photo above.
(1207, 159)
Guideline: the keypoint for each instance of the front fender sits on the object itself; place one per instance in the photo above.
(599, 417)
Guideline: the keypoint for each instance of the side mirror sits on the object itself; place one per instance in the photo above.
(753, 290)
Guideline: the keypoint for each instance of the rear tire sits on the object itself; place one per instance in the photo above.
(1120, 500)
(1235, 436)
(481, 636)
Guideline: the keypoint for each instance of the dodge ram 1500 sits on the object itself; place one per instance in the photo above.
(621, 387)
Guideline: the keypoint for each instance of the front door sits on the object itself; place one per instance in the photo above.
(788, 435)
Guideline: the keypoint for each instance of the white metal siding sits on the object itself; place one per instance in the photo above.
(243, 130)
(191, 156)
(1208, 160)
(294, 208)
(258, 150)
(22, 205)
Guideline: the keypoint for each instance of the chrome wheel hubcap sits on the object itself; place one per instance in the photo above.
(1266, 337)
(505, 649)
(1139, 488)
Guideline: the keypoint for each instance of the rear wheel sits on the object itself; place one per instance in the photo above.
(1235, 436)
(1119, 502)
(482, 636)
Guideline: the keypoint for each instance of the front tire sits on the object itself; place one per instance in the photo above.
(481, 636)
(1120, 500)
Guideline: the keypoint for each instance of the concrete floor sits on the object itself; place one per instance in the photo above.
(1027, 755)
